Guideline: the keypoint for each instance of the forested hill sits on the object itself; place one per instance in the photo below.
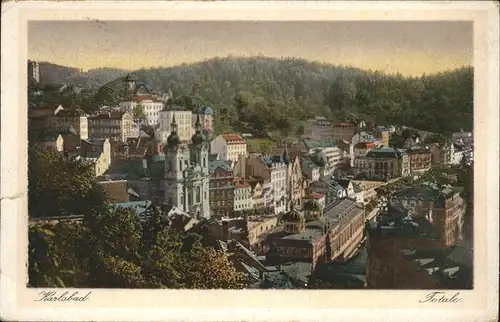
(94, 78)
(262, 95)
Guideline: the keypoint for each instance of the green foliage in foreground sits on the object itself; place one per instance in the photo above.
(112, 248)
(61, 186)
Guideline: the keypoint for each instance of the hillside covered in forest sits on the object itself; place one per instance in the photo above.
(93, 78)
(262, 95)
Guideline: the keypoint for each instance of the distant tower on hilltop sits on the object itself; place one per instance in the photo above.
(33, 71)
(130, 85)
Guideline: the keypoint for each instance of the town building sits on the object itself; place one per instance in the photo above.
(97, 152)
(310, 170)
(57, 118)
(258, 198)
(343, 131)
(183, 120)
(420, 159)
(333, 233)
(442, 204)
(64, 118)
(316, 197)
(294, 180)
(53, 141)
(33, 72)
(206, 114)
(325, 154)
(229, 146)
(450, 153)
(242, 195)
(269, 169)
(362, 148)
(383, 163)
(329, 188)
(117, 126)
(187, 173)
(318, 128)
(221, 187)
(263, 195)
(150, 106)
(394, 231)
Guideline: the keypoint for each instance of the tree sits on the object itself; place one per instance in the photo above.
(59, 185)
(138, 113)
(114, 249)
(210, 269)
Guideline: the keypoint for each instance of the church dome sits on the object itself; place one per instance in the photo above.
(312, 205)
(173, 140)
(198, 138)
(293, 216)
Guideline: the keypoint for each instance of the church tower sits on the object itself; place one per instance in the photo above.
(174, 163)
(186, 173)
(130, 86)
(199, 150)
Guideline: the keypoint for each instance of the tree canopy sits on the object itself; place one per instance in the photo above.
(61, 186)
(114, 249)
(266, 96)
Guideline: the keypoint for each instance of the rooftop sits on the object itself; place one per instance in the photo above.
(313, 144)
(439, 264)
(428, 191)
(110, 115)
(233, 138)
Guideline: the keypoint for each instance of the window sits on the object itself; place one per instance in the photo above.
(198, 194)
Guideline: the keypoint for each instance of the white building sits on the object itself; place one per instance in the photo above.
(278, 168)
(150, 105)
(242, 195)
(229, 146)
(101, 157)
(187, 173)
(326, 154)
(182, 120)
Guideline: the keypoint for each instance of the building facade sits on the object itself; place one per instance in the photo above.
(183, 120)
(221, 188)
(242, 195)
(343, 131)
(150, 106)
(318, 235)
(420, 159)
(230, 147)
(187, 173)
(117, 126)
(442, 205)
(383, 163)
(318, 128)
(326, 154)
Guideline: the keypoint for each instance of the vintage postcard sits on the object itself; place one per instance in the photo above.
(265, 161)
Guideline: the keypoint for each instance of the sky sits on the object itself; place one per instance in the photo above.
(410, 48)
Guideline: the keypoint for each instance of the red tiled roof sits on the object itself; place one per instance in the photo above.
(365, 145)
(233, 138)
(240, 183)
(315, 195)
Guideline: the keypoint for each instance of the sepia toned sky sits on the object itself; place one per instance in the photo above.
(411, 48)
